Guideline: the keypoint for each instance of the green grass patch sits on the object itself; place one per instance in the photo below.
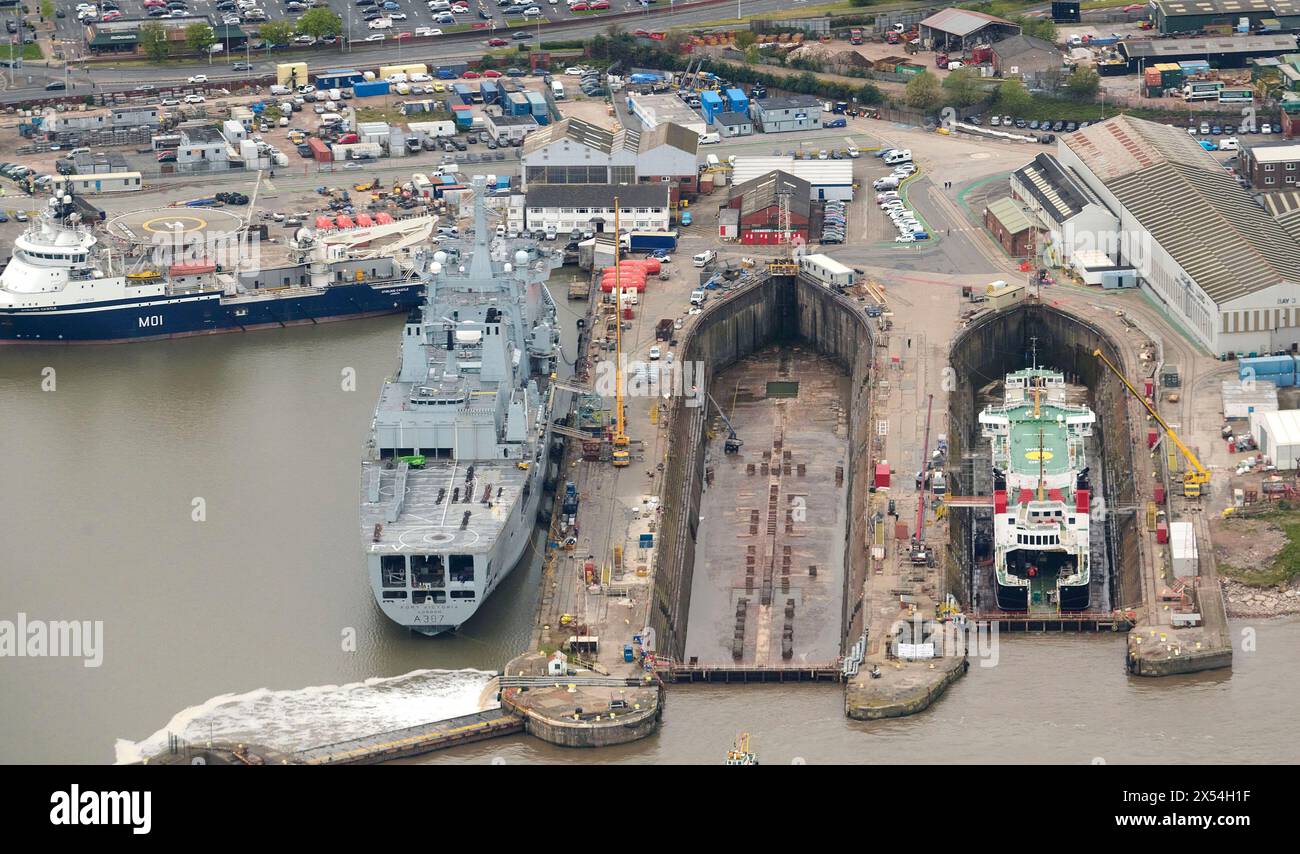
(29, 51)
(380, 114)
(1286, 566)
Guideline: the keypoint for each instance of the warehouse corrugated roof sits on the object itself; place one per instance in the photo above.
(597, 195)
(962, 22)
(1008, 213)
(1179, 193)
(1057, 190)
(1154, 49)
(764, 191)
(815, 172)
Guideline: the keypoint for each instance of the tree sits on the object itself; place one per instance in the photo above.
(1013, 98)
(153, 38)
(923, 91)
(753, 55)
(320, 22)
(744, 39)
(277, 33)
(1083, 83)
(1039, 28)
(963, 87)
(47, 9)
(199, 37)
(1052, 80)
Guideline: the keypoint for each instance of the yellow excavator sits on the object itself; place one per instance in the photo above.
(1196, 476)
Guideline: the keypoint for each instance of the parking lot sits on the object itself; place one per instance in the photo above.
(486, 15)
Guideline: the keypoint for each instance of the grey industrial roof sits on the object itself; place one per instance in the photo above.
(1182, 8)
(1156, 48)
(732, 119)
(597, 195)
(1273, 152)
(576, 130)
(503, 121)
(1284, 206)
(762, 192)
(1187, 202)
(962, 22)
(1057, 190)
(1021, 46)
(201, 134)
(790, 102)
(1008, 213)
(665, 133)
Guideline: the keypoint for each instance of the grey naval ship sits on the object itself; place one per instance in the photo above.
(453, 472)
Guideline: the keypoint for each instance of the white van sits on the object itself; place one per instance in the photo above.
(335, 95)
(887, 183)
(281, 90)
(698, 296)
(704, 258)
(557, 90)
(331, 119)
(898, 155)
(710, 138)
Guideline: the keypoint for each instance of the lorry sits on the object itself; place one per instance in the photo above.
(664, 329)
(855, 35)
(648, 241)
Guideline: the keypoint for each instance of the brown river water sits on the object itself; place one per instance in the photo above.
(239, 625)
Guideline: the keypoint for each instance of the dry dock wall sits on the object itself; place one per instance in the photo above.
(730, 329)
(1003, 342)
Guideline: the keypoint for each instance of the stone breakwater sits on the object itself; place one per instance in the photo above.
(1246, 601)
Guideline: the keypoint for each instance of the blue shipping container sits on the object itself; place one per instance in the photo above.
(518, 103)
(1266, 366)
(491, 92)
(339, 78)
(737, 101)
(711, 104)
(366, 90)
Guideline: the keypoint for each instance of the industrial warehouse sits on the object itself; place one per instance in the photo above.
(1203, 247)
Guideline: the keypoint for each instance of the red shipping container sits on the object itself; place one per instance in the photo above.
(882, 475)
(900, 531)
(320, 152)
(999, 501)
(1152, 435)
(1162, 533)
(1081, 501)
(1148, 386)
(1160, 493)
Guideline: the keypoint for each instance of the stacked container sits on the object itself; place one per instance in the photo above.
(1280, 370)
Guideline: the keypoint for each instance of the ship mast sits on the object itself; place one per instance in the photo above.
(620, 457)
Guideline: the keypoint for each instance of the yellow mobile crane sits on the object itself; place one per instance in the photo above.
(621, 457)
(1194, 477)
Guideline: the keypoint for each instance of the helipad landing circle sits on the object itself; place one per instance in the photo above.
(145, 227)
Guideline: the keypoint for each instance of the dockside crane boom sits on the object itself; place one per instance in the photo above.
(1194, 477)
(621, 456)
(733, 442)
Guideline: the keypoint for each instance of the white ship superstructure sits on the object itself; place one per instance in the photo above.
(1041, 494)
(454, 467)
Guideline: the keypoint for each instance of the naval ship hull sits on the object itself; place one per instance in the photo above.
(511, 547)
(178, 316)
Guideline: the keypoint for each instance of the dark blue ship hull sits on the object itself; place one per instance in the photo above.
(180, 315)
